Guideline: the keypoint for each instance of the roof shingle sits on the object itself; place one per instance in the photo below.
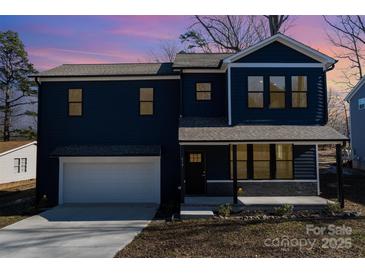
(214, 129)
(110, 69)
(199, 60)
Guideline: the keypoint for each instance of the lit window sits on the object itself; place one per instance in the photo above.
(203, 91)
(299, 91)
(284, 161)
(241, 161)
(361, 103)
(261, 161)
(195, 157)
(277, 92)
(255, 91)
(75, 102)
(146, 101)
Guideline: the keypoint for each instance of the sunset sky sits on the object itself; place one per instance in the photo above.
(54, 40)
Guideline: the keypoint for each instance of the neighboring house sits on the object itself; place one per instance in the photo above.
(18, 161)
(356, 100)
(205, 124)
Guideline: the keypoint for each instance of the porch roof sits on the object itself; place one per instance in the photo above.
(194, 130)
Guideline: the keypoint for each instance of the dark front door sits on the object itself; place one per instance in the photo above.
(195, 173)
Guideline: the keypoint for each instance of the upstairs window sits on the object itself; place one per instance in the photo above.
(241, 161)
(261, 161)
(299, 91)
(277, 92)
(362, 104)
(255, 91)
(146, 101)
(75, 102)
(284, 161)
(203, 91)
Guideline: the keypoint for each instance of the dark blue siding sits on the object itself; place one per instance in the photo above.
(315, 114)
(216, 160)
(110, 116)
(277, 53)
(305, 162)
(216, 107)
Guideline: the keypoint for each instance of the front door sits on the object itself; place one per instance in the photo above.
(195, 173)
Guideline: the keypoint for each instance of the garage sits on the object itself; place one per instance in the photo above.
(109, 179)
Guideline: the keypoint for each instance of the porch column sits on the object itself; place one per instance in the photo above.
(182, 174)
(234, 173)
(340, 194)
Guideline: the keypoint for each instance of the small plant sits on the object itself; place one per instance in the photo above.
(224, 210)
(240, 191)
(284, 210)
(43, 203)
(332, 208)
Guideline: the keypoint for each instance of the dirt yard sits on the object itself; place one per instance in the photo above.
(16, 201)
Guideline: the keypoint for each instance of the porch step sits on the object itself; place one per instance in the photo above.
(194, 212)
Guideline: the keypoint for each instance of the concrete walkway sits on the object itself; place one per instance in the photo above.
(76, 231)
(257, 200)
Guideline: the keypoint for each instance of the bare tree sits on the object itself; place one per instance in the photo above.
(337, 112)
(224, 33)
(277, 23)
(166, 52)
(348, 36)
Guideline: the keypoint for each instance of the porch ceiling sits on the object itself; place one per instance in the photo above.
(216, 130)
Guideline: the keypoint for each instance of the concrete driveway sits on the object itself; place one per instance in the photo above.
(76, 231)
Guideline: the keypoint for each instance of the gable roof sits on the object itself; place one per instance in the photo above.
(6, 147)
(199, 60)
(289, 42)
(109, 69)
(355, 89)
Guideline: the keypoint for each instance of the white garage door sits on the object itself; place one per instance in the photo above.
(110, 180)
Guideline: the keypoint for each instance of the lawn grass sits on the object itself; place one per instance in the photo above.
(239, 238)
(16, 202)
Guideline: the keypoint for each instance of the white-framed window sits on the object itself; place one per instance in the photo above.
(20, 165)
(16, 165)
(361, 103)
(23, 165)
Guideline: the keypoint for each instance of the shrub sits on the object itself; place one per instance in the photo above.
(224, 210)
(284, 210)
(332, 208)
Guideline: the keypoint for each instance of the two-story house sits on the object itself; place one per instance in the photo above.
(206, 124)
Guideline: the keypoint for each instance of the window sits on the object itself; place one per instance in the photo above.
(23, 165)
(299, 91)
(20, 165)
(16, 165)
(146, 101)
(75, 102)
(195, 158)
(255, 91)
(241, 161)
(284, 161)
(203, 91)
(277, 92)
(361, 103)
(261, 161)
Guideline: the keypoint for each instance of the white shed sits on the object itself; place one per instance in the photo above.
(18, 161)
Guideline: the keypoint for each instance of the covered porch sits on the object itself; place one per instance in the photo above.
(213, 170)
